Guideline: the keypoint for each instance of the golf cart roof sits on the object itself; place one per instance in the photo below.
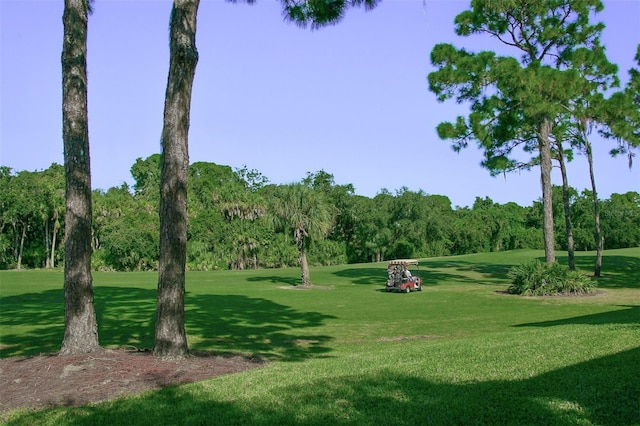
(403, 262)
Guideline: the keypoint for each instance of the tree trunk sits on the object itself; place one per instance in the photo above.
(21, 246)
(47, 244)
(54, 237)
(544, 130)
(596, 210)
(81, 329)
(170, 334)
(567, 209)
(304, 268)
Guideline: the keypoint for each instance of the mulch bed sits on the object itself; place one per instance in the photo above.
(73, 380)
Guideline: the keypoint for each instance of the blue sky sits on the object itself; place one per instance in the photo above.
(351, 99)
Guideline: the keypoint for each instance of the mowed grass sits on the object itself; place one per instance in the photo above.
(346, 352)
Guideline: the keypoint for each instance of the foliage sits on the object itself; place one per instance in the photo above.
(229, 226)
(538, 279)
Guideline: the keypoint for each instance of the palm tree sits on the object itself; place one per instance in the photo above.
(307, 214)
(81, 329)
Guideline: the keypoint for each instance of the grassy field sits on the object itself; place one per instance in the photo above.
(459, 352)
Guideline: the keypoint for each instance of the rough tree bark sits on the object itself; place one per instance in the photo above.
(81, 329)
(544, 130)
(567, 209)
(596, 210)
(170, 334)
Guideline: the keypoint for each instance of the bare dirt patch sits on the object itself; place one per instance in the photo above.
(51, 380)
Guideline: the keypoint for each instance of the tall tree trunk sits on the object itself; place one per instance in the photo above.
(544, 130)
(81, 329)
(21, 246)
(170, 334)
(567, 209)
(596, 209)
(47, 244)
(54, 238)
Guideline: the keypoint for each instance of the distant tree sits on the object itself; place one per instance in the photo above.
(621, 220)
(170, 335)
(514, 104)
(53, 180)
(125, 231)
(306, 214)
(20, 212)
(81, 328)
(146, 176)
(6, 201)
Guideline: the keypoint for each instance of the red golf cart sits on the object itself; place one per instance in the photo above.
(400, 277)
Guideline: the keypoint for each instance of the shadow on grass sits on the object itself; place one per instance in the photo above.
(126, 317)
(617, 271)
(234, 323)
(277, 279)
(364, 276)
(600, 391)
(629, 315)
(442, 270)
(378, 276)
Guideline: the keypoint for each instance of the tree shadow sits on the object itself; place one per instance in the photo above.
(598, 391)
(126, 317)
(277, 279)
(617, 271)
(629, 315)
(486, 274)
(364, 276)
(378, 276)
(44, 314)
(241, 324)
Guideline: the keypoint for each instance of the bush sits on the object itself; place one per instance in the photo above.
(539, 279)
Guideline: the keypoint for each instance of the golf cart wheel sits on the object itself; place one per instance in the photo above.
(420, 287)
(407, 289)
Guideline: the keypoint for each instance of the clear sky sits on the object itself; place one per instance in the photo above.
(350, 99)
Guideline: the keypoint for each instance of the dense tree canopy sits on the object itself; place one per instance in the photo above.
(229, 226)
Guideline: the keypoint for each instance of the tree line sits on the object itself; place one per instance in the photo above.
(237, 219)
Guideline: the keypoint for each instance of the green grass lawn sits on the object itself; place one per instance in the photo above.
(459, 352)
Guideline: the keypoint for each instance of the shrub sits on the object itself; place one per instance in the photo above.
(539, 279)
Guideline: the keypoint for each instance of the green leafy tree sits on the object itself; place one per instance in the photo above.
(146, 176)
(170, 335)
(125, 231)
(371, 237)
(53, 180)
(23, 210)
(81, 328)
(515, 103)
(621, 220)
(583, 221)
(306, 214)
(6, 201)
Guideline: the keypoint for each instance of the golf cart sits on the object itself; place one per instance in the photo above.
(400, 278)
